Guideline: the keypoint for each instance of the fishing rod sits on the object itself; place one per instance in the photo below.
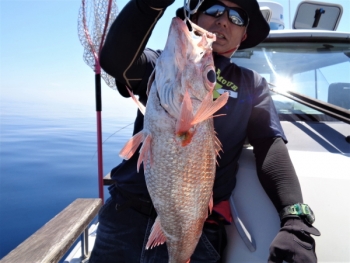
(95, 19)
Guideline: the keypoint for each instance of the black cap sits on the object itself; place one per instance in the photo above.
(257, 30)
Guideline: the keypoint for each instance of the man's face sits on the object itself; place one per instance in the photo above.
(228, 35)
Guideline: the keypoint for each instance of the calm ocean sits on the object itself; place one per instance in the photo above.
(48, 159)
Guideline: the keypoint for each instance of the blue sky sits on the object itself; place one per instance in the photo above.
(41, 58)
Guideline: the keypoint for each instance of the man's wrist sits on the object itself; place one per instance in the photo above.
(298, 210)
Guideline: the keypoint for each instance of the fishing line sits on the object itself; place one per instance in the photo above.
(122, 128)
(187, 9)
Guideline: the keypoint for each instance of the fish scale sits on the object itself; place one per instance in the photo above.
(181, 201)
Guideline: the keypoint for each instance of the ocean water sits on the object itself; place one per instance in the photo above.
(48, 158)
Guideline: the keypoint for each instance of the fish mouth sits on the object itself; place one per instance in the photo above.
(197, 30)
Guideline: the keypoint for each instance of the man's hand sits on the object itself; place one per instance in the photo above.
(293, 243)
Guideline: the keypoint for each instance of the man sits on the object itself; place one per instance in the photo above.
(127, 217)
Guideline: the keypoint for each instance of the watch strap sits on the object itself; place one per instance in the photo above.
(300, 210)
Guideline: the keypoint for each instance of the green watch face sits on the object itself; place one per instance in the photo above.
(308, 214)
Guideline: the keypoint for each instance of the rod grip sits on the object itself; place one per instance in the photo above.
(98, 92)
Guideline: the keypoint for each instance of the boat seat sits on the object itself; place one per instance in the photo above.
(339, 94)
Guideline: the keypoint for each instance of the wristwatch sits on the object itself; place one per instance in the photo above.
(301, 210)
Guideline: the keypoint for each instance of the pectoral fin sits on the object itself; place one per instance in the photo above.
(186, 115)
(208, 107)
(131, 146)
(184, 129)
(145, 151)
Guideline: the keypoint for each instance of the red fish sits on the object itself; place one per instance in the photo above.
(180, 147)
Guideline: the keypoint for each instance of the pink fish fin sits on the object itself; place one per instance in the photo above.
(211, 203)
(131, 146)
(183, 124)
(145, 151)
(188, 261)
(208, 107)
(186, 117)
(217, 146)
(157, 236)
(141, 107)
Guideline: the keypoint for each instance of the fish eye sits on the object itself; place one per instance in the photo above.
(211, 76)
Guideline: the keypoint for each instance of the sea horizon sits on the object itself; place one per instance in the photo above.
(48, 158)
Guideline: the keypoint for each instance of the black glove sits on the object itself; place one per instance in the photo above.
(293, 243)
(158, 3)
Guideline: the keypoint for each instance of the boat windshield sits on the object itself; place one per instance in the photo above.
(317, 70)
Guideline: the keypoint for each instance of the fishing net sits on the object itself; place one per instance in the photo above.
(95, 19)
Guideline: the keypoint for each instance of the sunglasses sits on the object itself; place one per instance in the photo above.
(236, 15)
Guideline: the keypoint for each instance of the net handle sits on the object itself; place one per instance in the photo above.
(97, 68)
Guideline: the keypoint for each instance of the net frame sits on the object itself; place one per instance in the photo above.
(94, 21)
